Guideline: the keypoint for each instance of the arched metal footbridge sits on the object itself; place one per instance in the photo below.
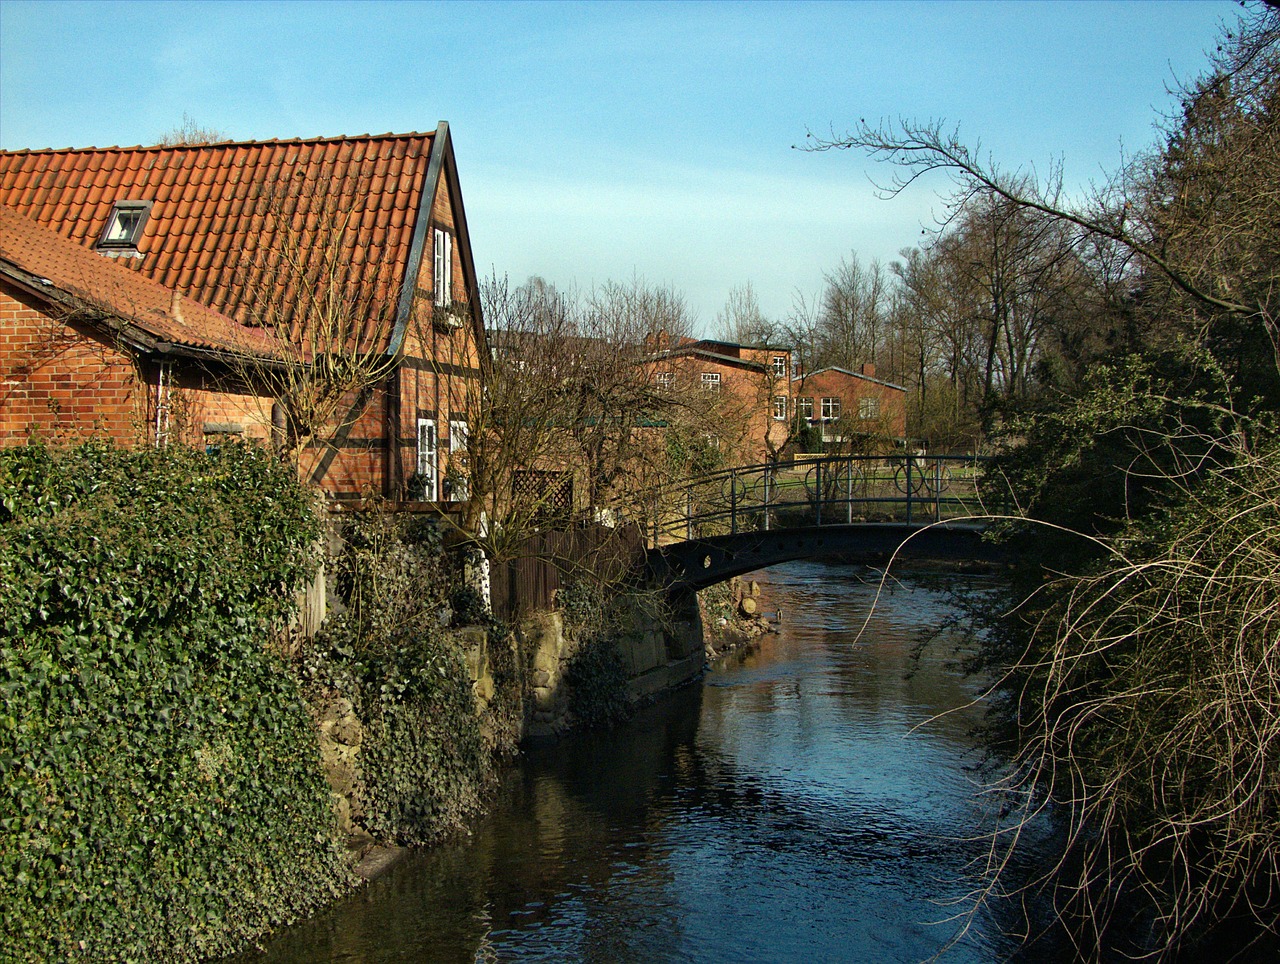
(733, 522)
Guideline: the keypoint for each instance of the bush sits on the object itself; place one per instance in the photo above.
(1143, 690)
(160, 794)
(427, 758)
(1153, 713)
(596, 675)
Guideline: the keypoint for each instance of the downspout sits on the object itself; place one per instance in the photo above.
(162, 402)
(278, 426)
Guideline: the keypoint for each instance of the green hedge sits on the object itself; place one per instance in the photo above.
(425, 764)
(160, 793)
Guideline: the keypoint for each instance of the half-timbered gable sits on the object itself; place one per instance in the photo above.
(343, 248)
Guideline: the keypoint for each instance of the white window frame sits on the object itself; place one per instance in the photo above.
(779, 408)
(442, 277)
(665, 380)
(711, 381)
(429, 458)
(830, 407)
(124, 226)
(868, 407)
(779, 366)
(804, 406)
(459, 434)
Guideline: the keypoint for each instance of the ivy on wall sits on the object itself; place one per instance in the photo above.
(427, 758)
(597, 677)
(160, 794)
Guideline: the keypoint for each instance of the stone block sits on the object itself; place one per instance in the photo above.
(336, 709)
(544, 698)
(341, 813)
(545, 633)
(347, 731)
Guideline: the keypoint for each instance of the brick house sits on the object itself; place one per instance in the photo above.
(85, 343)
(138, 284)
(754, 379)
(851, 407)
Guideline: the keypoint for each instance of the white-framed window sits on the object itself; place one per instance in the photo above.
(124, 226)
(831, 406)
(429, 459)
(804, 407)
(779, 408)
(779, 366)
(459, 464)
(665, 380)
(711, 381)
(868, 408)
(443, 276)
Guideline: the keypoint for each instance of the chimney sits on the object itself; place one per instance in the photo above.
(869, 369)
(657, 342)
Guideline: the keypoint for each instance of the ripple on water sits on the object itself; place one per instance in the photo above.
(798, 808)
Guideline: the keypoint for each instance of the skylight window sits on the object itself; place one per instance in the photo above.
(124, 227)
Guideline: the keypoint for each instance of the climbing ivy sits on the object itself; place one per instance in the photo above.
(596, 674)
(160, 794)
(427, 757)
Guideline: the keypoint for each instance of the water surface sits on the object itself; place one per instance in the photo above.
(812, 801)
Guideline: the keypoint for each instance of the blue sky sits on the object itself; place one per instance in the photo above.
(611, 140)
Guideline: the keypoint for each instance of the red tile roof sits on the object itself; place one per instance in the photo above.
(241, 227)
(53, 263)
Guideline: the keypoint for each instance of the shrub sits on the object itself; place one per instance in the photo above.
(427, 757)
(597, 677)
(160, 794)
(1155, 711)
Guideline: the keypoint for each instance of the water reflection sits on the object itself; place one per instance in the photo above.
(792, 809)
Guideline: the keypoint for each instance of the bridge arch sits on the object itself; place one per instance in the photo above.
(728, 524)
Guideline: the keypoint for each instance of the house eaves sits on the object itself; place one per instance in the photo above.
(442, 160)
(845, 371)
(709, 356)
(219, 212)
(148, 316)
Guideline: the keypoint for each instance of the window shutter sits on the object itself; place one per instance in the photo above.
(427, 457)
(443, 274)
(448, 267)
(437, 271)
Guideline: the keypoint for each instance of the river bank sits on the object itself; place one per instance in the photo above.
(796, 805)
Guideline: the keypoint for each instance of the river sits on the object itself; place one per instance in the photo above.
(807, 803)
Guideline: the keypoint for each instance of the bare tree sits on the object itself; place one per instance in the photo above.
(302, 289)
(1155, 217)
(577, 397)
(742, 322)
(191, 134)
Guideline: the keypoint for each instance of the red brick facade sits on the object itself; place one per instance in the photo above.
(62, 380)
(67, 369)
(754, 381)
(847, 404)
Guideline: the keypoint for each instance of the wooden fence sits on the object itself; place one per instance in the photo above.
(547, 561)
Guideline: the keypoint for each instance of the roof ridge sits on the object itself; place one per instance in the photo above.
(272, 142)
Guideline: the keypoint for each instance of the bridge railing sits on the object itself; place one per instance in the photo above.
(818, 491)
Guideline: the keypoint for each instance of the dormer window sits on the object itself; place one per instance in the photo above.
(124, 227)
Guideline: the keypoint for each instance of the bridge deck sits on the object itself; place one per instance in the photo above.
(733, 522)
(698, 563)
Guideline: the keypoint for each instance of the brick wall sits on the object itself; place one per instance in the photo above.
(60, 379)
(850, 389)
(747, 404)
(440, 373)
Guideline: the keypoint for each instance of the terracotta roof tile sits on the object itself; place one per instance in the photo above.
(215, 198)
(108, 286)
